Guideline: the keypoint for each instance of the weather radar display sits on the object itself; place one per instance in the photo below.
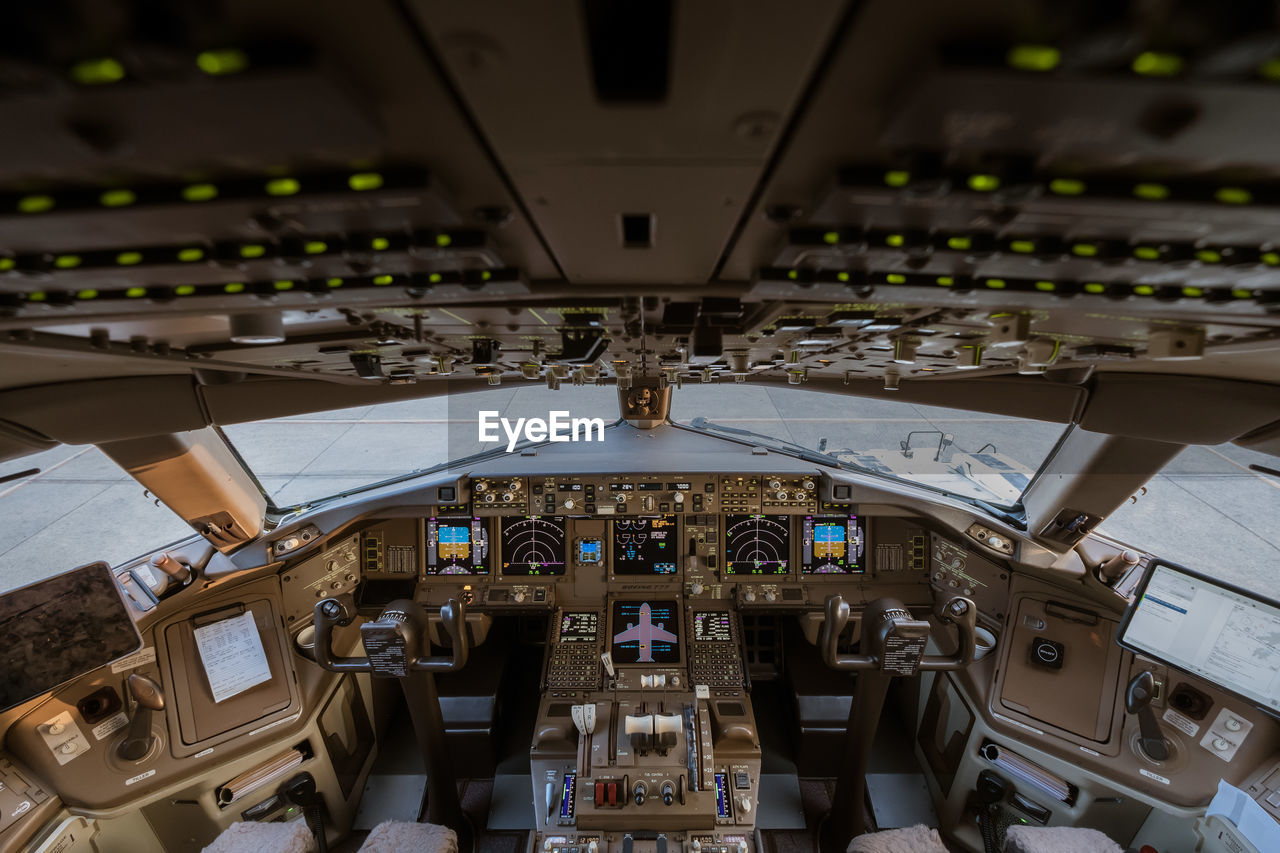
(832, 545)
(757, 544)
(533, 545)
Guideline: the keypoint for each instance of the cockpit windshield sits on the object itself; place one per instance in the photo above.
(991, 458)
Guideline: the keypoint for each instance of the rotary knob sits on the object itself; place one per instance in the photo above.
(514, 485)
(801, 496)
(696, 588)
(678, 498)
(507, 497)
(775, 484)
(489, 498)
(569, 503)
(770, 596)
(808, 485)
(749, 595)
(519, 597)
(621, 497)
(481, 486)
(781, 495)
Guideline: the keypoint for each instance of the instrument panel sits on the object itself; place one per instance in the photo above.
(536, 542)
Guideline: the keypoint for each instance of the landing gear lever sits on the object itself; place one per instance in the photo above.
(892, 644)
(398, 647)
(147, 697)
(1137, 700)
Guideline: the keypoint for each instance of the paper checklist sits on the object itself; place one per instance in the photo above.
(232, 654)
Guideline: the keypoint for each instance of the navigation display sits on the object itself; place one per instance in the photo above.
(579, 626)
(757, 544)
(457, 546)
(1218, 633)
(533, 545)
(711, 626)
(645, 632)
(645, 546)
(832, 545)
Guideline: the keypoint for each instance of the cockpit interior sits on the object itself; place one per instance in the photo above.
(640, 426)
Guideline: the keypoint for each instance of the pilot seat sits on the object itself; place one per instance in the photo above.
(1020, 839)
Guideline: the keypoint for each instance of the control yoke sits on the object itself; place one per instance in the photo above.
(892, 645)
(396, 642)
(397, 646)
(893, 641)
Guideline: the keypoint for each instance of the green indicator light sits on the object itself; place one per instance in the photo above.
(897, 178)
(793, 275)
(982, 183)
(315, 247)
(1242, 293)
(1022, 247)
(185, 289)
(443, 240)
(959, 244)
(381, 280)
(117, 198)
(894, 240)
(128, 259)
(233, 287)
(283, 186)
(1153, 63)
(97, 72)
(1193, 291)
(944, 281)
(86, 294)
(252, 250)
(36, 296)
(996, 283)
(191, 255)
(7, 264)
(136, 292)
(1270, 70)
(362, 181)
(1233, 195)
(485, 275)
(1208, 256)
(842, 276)
(1151, 192)
(282, 285)
(1033, 57)
(896, 278)
(435, 278)
(335, 282)
(1046, 286)
(380, 244)
(200, 192)
(67, 262)
(1095, 287)
(1271, 259)
(1146, 253)
(35, 203)
(219, 62)
(831, 237)
(1084, 250)
(1144, 290)
(1066, 186)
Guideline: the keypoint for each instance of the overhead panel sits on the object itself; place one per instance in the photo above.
(584, 152)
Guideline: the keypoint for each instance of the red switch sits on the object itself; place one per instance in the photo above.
(599, 794)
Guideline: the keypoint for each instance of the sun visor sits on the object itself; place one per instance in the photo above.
(98, 410)
(1179, 409)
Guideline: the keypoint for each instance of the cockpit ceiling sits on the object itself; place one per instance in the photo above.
(403, 192)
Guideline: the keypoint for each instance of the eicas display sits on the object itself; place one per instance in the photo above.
(645, 546)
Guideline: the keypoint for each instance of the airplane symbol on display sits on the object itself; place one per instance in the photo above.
(645, 633)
